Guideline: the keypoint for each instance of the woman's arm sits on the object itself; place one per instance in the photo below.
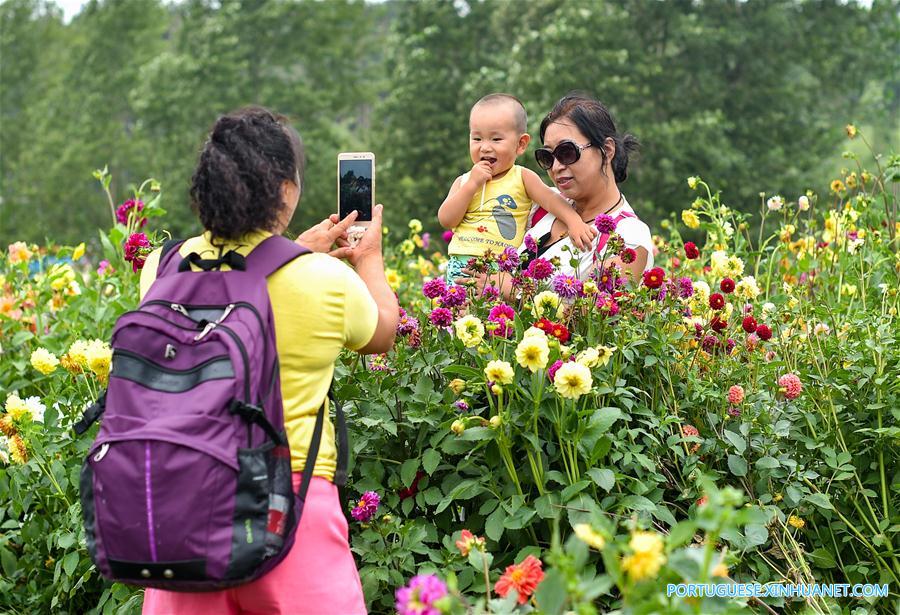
(366, 258)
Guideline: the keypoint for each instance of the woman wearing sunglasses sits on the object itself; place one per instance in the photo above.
(587, 159)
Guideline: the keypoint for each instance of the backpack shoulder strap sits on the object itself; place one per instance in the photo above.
(273, 253)
(167, 256)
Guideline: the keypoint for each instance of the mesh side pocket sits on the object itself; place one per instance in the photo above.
(251, 510)
(282, 513)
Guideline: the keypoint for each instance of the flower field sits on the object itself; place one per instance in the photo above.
(731, 416)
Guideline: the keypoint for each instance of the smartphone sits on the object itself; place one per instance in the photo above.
(356, 190)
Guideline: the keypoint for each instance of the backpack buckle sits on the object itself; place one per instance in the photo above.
(248, 412)
(254, 415)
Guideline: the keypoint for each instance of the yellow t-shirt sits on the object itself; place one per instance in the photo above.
(498, 221)
(320, 306)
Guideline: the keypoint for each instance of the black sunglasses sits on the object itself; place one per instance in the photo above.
(567, 152)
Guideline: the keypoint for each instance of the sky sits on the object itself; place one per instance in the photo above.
(70, 8)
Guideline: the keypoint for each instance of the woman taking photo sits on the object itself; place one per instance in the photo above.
(245, 188)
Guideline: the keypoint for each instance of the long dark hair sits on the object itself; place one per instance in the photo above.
(594, 120)
(236, 187)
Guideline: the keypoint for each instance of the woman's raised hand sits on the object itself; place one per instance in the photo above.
(328, 233)
(370, 244)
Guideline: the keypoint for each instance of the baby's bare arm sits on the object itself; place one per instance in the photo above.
(582, 234)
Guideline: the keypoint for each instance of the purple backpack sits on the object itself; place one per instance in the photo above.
(188, 483)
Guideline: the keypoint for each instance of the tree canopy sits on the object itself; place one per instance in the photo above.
(753, 94)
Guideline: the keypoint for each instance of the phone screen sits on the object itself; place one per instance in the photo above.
(356, 188)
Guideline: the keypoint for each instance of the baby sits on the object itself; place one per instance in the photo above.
(488, 207)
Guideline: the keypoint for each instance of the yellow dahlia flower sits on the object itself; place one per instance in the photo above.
(44, 361)
(545, 302)
(606, 353)
(573, 380)
(16, 407)
(533, 353)
(589, 536)
(690, 219)
(469, 330)
(647, 555)
(588, 357)
(78, 352)
(99, 357)
(499, 372)
(393, 278)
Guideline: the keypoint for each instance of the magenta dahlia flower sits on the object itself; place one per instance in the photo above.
(567, 286)
(420, 595)
(367, 506)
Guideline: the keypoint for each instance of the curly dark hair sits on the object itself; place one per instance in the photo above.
(236, 187)
(594, 120)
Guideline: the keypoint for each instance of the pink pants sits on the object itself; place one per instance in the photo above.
(317, 576)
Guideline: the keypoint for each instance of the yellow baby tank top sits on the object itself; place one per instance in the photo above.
(497, 220)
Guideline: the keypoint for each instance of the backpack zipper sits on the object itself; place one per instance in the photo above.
(196, 368)
(232, 334)
(183, 309)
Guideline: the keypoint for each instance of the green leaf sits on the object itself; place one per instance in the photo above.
(822, 558)
(478, 433)
(7, 561)
(821, 500)
(465, 490)
(737, 441)
(604, 478)
(637, 502)
(551, 593)
(408, 471)
(756, 535)
(602, 419)
(477, 559)
(681, 533)
(70, 562)
(737, 465)
(572, 490)
(767, 463)
(544, 506)
(493, 525)
(430, 461)
(66, 540)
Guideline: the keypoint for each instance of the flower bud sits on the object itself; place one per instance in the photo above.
(457, 385)
(496, 421)
(458, 427)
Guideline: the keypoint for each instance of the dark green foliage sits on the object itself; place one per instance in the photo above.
(750, 93)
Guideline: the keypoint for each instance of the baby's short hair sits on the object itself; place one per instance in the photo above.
(521, 117)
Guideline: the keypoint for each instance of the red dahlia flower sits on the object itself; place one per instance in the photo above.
(523, 577)
(653, 278)
(716, 301)
(691, 250)
(727, 285)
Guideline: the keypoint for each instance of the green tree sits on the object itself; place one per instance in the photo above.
(77, 117)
